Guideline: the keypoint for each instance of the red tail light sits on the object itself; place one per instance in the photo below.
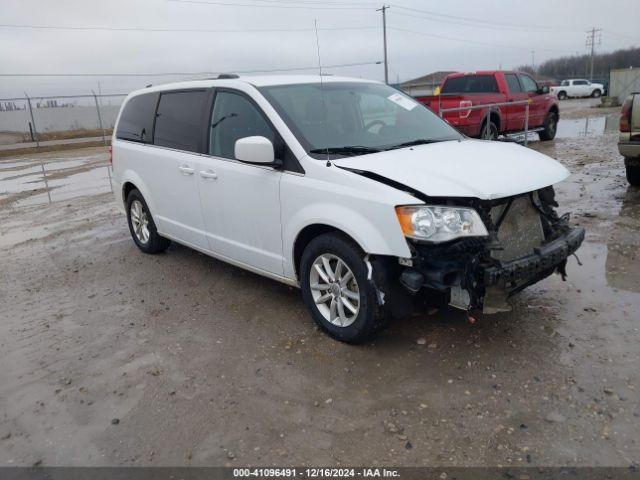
(110, 156)
(625, 115)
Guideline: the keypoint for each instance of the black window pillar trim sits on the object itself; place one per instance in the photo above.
(289, 161)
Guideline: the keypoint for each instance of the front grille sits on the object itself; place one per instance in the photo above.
(520, 231)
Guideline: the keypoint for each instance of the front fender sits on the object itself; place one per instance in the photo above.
(384, 237)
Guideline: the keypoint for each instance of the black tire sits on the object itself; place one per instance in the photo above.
(550, 127)
(596, 93)
(371, 316)
(154, 243)
(562, 95)
(633, 175)
(493, 132)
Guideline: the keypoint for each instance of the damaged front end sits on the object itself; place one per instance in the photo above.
(527, 242)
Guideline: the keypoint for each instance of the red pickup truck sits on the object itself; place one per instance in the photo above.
(489, 87)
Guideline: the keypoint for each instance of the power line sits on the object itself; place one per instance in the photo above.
(303, 7)
(622, 35)
(319, 2)
(487, 22)
(480, 24)
(178, 29)
(466, 40)
(194, 74)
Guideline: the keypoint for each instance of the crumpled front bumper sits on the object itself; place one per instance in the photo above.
(467, 276)
(544, 259)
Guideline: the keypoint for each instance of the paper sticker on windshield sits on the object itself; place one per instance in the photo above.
(403, 101)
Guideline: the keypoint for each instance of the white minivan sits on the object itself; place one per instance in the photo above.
(347, 188)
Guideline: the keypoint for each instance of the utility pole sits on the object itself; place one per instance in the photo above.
(591, 42)
(384, 38)
(533, 60)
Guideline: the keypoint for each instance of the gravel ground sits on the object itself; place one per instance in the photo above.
(112, 357)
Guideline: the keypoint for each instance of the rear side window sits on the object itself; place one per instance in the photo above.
(513, 83)
(179, 120)
(136, 120)
(471, 84)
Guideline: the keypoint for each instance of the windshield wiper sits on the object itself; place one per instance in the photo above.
(413, 143)
(346, 150)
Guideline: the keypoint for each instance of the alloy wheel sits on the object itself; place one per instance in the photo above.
(334, 290)
(139, 221)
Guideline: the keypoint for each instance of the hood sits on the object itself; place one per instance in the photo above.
(467, 168)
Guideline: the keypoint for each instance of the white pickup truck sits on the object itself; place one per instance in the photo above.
(577, 88)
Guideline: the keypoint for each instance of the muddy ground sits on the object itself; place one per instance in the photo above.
(113, 357)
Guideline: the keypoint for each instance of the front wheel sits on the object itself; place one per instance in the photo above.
(550, 127)
(633, 175)
(337, 290)
(596, 93)
(562, 95)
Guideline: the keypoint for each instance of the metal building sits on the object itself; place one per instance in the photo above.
(623, 81)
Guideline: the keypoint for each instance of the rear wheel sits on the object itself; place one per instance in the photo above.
(550, 127)
(562, 95)
(141, 225)
(633, 175)
(337, 290)
(489, 131)
(596, 93)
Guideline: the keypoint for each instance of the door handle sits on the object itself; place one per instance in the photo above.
(208, 174)
(186, 170)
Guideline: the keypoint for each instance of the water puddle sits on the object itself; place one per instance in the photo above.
(30, 182)
(587, 127)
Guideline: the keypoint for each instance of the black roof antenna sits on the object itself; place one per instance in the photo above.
(324, 106)
(227, 76)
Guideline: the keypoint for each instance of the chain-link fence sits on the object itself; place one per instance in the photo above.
(58, 119)
(53, 122)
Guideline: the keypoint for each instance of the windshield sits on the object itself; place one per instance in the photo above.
(352, 118)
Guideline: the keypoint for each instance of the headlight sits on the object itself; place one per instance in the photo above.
(440, 223)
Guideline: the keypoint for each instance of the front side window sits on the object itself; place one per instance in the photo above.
(235, 117)
(528, 84)
(513, 83)
(363, 117)
(564, 83)
(580, 82)
(179, 120)
(471, 84)
(136, 120)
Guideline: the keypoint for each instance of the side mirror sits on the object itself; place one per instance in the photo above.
(257, 150)
(543, 89)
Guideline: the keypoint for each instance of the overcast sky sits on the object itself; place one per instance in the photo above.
(423, 36)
